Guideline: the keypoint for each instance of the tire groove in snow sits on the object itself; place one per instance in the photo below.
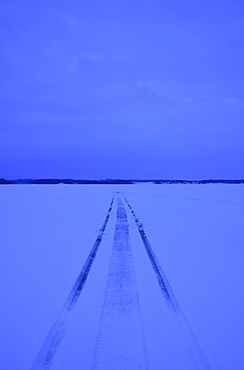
(50, 346)
(196, 357)
(120, 344)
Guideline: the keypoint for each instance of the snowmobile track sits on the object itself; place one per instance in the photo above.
(196, 358)
(120, 343)
(50, 346)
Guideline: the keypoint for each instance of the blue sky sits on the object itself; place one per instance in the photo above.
(125, 89)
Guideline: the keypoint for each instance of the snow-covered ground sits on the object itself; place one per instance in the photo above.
(196, 232)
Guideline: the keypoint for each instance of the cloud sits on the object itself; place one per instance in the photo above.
(71, 21)
(233, 100)
(144, 84)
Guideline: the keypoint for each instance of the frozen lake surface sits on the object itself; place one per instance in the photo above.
(196, 233)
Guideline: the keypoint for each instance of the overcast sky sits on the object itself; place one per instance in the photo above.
(122, 89)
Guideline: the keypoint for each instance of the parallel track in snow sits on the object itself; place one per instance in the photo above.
(196, 357)
(120, 341)
(50, 346)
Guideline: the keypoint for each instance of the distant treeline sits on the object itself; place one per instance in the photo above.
(116, 181)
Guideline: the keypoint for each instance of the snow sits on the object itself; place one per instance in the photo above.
(196, 232)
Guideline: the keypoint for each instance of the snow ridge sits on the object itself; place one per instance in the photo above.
(50, 346)
(120, 344)
(196, 358)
